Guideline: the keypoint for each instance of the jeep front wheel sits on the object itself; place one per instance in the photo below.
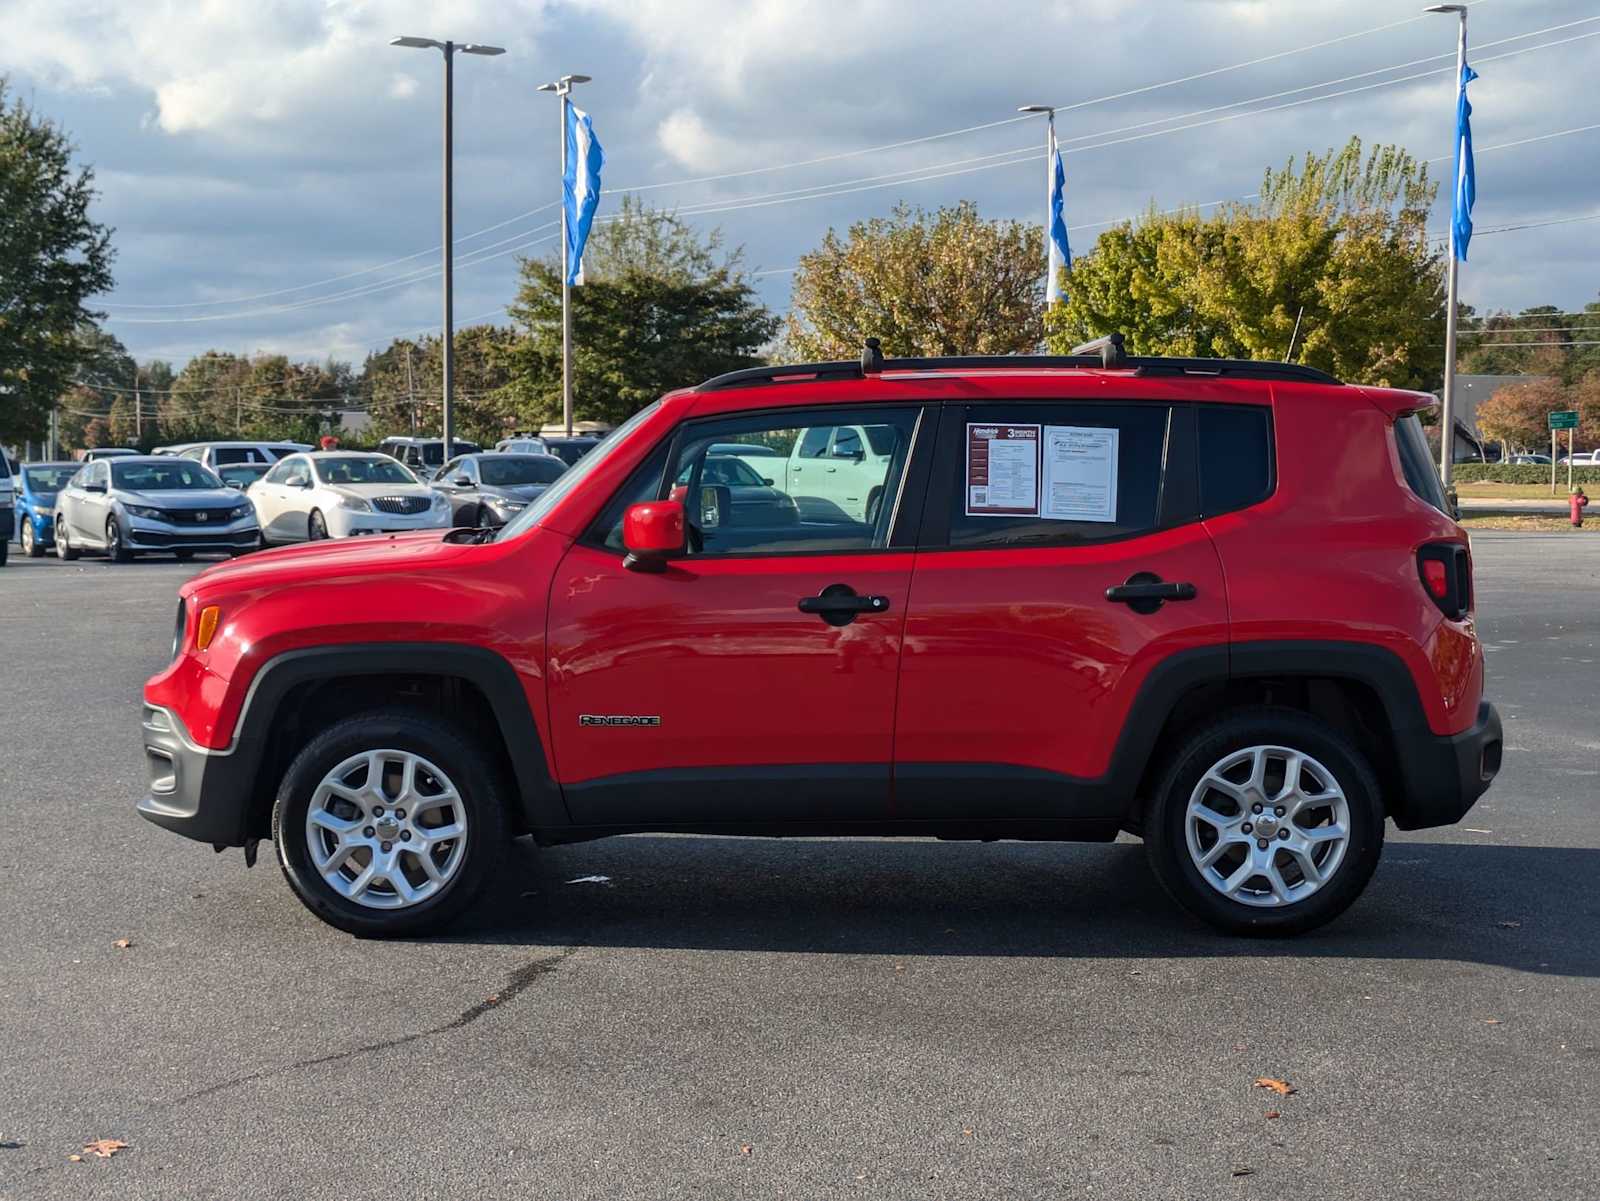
(390, 823)
(1266, 822)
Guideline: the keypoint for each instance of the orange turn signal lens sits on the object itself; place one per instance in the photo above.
(207, 628)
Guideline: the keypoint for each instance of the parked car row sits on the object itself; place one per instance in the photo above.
(231, 498)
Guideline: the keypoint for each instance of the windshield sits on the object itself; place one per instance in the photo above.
(575, 475)
(353, 470)
(169, 475)
(48, 480)
(500, 471)
(433, 452)
(243, 474)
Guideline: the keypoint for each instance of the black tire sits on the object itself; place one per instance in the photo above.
(5, 550)
(316, 526)
(874, 504)
(458, 755)
(65, 551)
(480, 519)
(30, 541)
(1166, 841)
(116, 549)
(183, 556)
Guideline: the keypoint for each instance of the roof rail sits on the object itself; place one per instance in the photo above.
(1106, 355)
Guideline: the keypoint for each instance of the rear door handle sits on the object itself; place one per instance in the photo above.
(840, 604)
(1145, 592)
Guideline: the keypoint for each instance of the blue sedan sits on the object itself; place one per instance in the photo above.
(38, 484)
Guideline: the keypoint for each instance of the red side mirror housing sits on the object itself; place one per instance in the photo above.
(653, 532)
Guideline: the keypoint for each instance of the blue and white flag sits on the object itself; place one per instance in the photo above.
(1060, 251)
(580, 186)
(1466, 183)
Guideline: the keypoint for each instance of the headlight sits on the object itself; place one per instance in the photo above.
(504, 504)
(243, 511)
(354, 502)
(143, 511)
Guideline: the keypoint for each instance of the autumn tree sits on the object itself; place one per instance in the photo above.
(941, 283)
(1519, 415)
(53, 258)
(219, 394)
(662, 306)
(403, 383)
(1337, 244)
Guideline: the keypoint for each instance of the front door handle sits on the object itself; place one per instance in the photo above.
(1145, 592)
(840, 604)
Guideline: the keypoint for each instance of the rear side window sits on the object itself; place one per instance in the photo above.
(1417, 462)
(1235, 448)
(1053, 474)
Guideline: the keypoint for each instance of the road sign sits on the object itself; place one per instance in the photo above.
(1564, 421)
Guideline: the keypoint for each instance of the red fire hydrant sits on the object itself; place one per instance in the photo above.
(1577, 500)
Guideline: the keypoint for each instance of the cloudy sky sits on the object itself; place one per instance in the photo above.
(271, 167)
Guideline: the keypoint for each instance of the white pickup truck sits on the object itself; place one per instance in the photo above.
(842, 468)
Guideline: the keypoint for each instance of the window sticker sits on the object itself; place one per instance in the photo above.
(1080, 473)
(1002, 470)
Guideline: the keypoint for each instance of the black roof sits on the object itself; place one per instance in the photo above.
(1140, 365)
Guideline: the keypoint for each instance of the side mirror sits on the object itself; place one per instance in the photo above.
(462, 481)
(653, 532)
(236, 485)
(767, 480)
(94, 487)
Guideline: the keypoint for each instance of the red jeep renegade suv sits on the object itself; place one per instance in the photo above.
(1218, 604)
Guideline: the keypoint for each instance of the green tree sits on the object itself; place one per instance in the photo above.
(661, 307)
(1338, 244)
(924, 283)
(402, 384)
(53, 258)
(223, 395)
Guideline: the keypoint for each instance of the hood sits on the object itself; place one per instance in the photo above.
(368, 491)
(367, 555)
(514, 491)
(184, 498)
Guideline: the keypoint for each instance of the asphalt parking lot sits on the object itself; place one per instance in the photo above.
(696, 1018)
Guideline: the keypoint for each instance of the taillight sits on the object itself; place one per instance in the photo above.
(1446, 571)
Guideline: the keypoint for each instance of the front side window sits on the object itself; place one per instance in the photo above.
(1052, 474)
(796, 504)
(511, 471)
(47, 481)
(814, 441)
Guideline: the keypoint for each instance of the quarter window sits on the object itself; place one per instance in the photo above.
(1235, 452)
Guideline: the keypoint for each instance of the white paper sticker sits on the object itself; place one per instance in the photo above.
(1080, 473)
(1002, 470)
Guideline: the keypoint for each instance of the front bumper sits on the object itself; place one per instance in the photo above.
(1444, 776)
(142, 533)
(344, 523)
(202, 794)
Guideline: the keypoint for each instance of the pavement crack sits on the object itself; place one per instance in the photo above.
(518, 981)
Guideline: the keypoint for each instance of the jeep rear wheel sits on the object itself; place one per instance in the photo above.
(389, 823)
(1267, 821)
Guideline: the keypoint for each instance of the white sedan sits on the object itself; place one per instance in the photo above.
(335, 493)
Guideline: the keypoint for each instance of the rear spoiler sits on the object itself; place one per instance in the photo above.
(1400, 402)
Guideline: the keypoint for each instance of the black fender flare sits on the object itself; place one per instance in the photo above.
(539, 799)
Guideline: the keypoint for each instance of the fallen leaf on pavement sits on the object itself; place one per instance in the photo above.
(1491, 1021)
(1273, 1115)
(104, 1148)
(745, 1149)
(492, 999)
(1244, 1171)
(122, 944)
(74, 1159)
(967, 1130)
(1280, 1087)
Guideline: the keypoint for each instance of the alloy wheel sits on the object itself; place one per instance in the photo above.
(1267, 826)
(26, 537)
(386, 829)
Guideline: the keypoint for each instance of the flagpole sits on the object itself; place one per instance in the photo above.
(1447, 417)
(566, 275)
(1050, 267)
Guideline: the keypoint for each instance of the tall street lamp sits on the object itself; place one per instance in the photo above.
(448, 49)
(563, 89)
(1447, 417)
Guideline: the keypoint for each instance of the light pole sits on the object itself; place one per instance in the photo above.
(1447, 418)
(563, 90)
(1053, 263)
(448, 49)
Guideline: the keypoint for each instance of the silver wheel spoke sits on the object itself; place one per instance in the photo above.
(393, 840)
(1315, 851)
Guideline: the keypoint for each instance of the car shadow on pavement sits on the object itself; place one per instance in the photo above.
(1529, 908)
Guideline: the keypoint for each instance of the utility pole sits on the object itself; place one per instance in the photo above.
(448, 49)
(411, 391)
(238, 411)
(563, 90)
(138, 409)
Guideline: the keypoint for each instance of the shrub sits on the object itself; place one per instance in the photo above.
(1521, 473)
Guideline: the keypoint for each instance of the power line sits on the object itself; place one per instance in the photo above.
(814, 161)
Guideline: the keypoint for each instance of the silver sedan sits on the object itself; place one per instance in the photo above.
(156, 503)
